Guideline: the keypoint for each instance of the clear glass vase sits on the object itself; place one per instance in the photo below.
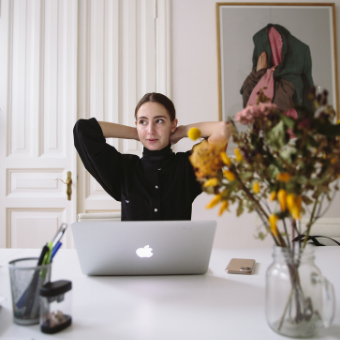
(299, 300)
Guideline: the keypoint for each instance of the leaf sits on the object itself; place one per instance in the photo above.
(261, 236)
(246, 175)
(276, 135)
(240, 209)
(287, 120)
(273, 170)
(287, 152)
(302, 180)
(317, 181)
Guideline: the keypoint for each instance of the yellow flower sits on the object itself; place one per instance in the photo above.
(238, 155)
(210, 183)
(282, 196)
(272, 196)
(283, 177)
(295, 210)
(291, 202)
(223, 208)
(214, 201)
(298, 202)
(294, 205)
(206, 159)
(229, 175)
(256, 187)
(272, 221)
(225, 159)
(333, 161)
(296, 213)
(194, 133)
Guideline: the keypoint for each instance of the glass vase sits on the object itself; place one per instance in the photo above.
(299, 300)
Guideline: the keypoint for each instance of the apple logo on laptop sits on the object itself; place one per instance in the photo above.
(144, 252)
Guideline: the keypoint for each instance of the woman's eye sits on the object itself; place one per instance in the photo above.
(142, 122)
(160, 120)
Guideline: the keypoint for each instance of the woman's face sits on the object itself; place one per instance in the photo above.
(154, 126)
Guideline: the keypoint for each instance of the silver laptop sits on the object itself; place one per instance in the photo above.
(144, 248)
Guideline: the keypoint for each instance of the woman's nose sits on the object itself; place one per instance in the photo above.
(151, 128)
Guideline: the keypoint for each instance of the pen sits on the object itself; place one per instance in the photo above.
(59, 234)
(55, 249)
(42, 254)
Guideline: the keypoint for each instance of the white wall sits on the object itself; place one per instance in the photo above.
(195, 95)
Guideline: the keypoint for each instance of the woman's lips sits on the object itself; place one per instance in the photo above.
(152, 140)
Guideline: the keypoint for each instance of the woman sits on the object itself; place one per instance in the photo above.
(282, 66)
(159, 186)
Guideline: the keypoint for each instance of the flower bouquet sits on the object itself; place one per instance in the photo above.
(284, 168)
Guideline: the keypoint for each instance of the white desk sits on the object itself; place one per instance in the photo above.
(201, 307)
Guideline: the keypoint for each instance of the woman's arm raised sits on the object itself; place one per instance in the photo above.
(216, 132)
(112, 130)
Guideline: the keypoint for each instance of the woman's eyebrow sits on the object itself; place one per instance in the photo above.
(156, 117)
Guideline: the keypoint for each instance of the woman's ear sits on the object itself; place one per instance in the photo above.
(174, 125)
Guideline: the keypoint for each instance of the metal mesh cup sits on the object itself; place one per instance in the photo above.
(26, 279)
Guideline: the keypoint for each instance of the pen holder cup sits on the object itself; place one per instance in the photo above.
(26, 280)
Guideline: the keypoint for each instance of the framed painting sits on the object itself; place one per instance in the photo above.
(295, 40)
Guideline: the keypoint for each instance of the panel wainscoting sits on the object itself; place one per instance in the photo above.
(32, 228)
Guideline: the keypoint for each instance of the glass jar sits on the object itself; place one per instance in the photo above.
(55, 306)
(299, 300)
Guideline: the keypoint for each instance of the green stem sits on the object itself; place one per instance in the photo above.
(309, 225)
(258, 205)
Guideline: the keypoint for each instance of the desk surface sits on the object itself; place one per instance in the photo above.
(212, 306)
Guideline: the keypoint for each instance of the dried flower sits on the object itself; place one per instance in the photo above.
(272, 221)
(206, 159)
(256, 187)
(214, 201)
(282, 197)
(194, 133)
(284, 177)
(238, 155)
(224, 206)
(225, 159)
(290, 201)
(251, 112)
(272, 196)
(229, 175)
(211, 182)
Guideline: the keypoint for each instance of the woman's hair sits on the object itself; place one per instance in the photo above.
(160, 99)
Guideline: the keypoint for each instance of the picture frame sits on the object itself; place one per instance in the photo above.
(243, 30)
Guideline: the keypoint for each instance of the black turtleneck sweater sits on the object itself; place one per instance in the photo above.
(159, 186)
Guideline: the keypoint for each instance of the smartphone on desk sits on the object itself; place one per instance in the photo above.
(240, 266)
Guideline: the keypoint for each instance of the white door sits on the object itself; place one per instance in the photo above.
(62, 60)
(38, 103)
(124, 52)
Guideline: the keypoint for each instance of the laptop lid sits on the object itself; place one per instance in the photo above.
(144, 247)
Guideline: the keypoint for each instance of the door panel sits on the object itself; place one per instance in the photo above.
(117, 63)
(38, 107)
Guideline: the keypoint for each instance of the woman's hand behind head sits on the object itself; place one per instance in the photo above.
(178, 134)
